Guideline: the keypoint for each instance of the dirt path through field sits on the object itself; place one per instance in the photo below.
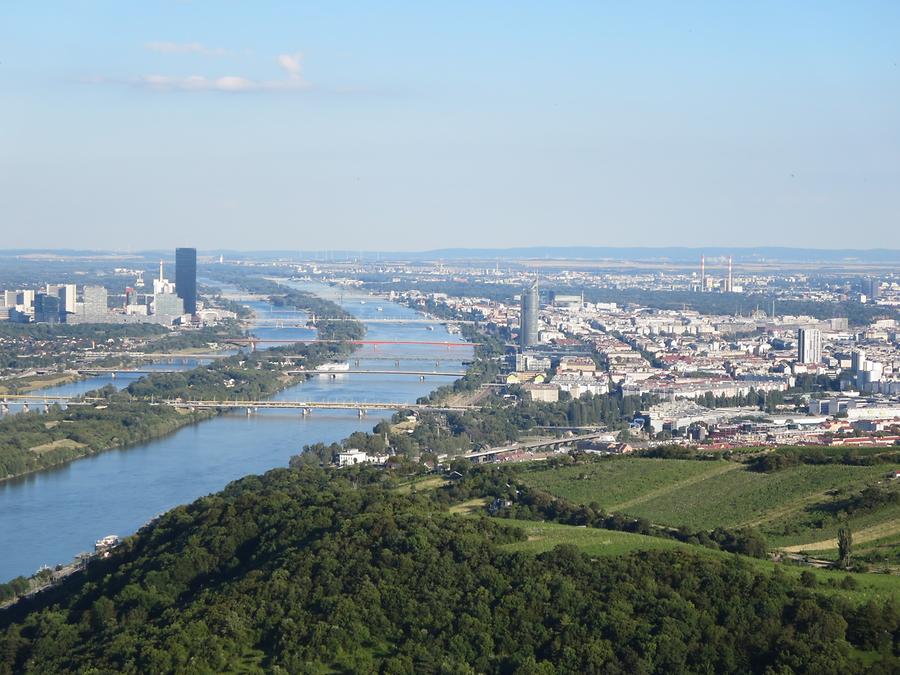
(671, 487)
(859, 537)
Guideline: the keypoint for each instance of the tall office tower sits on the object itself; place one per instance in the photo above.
(872, 288)
(528, 318)
(46, 308)
(9, 298)
(809, 345)
(858, 360)
(25, 298)
(702, 274)
(186, 278)
(66, 295)
(94, 302)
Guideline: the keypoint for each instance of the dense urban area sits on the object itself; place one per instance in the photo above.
(647, 464)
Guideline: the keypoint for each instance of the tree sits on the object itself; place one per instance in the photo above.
(845, 546)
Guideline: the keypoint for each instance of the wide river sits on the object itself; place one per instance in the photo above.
(49, 517)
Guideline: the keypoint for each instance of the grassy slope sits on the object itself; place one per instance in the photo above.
(710, 494)
(544, 536)
(619, 480)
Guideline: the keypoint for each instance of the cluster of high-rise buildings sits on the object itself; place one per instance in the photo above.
(62, 303)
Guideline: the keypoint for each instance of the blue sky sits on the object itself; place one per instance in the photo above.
(411, 125)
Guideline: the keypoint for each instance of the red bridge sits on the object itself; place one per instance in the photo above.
(254, 341)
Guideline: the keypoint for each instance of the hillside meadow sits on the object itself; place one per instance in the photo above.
(799, 505)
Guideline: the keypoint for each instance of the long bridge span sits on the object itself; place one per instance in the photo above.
(250, 406)
(252, 341)
(296, 322)
(352, 371)
(306, 407)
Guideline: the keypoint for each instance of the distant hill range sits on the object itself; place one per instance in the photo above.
(679, 254)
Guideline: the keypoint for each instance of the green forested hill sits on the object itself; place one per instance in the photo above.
(314, 571)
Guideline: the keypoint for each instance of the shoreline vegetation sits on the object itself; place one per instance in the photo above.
(30, 383)
(37, 441)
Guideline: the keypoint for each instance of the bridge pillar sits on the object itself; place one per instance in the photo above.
(249, 411)
(114, 373)
(25, 407)
(421, 378)
(357, 363)
(306, 412)
(46, 407)
(361, 412)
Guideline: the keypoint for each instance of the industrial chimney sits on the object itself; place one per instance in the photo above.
(729, 287)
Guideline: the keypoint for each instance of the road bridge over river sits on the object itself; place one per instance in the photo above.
(250, 406)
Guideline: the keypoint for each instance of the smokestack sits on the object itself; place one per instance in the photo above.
(730, 285)
(160, 271)
(702, 273)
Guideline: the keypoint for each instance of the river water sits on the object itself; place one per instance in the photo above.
(49, 517)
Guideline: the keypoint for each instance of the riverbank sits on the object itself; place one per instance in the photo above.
(37, 441)
(29, 383)
(34, 442)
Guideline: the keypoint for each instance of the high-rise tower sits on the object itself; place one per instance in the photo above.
(528, 317)
(809, 345)
(186, 278)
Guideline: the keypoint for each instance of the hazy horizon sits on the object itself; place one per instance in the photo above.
(408, 127)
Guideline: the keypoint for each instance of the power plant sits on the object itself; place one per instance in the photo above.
(725, 285)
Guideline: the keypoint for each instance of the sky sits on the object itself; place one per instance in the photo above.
(418, 125)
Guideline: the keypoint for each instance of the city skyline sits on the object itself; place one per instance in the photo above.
(280, 127)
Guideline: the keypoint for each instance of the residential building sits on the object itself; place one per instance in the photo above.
(543, 393)
(809, 345)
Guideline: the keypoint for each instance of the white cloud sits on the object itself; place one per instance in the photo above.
(185, 48)
(226, 83)
(291, 63)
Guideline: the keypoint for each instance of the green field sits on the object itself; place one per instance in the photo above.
(615, 482)
(789, 506)
(544, 536)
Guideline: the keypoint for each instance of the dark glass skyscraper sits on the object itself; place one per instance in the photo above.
(186, 278)
(46, 308)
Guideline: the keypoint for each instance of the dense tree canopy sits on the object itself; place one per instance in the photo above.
(314, 571)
